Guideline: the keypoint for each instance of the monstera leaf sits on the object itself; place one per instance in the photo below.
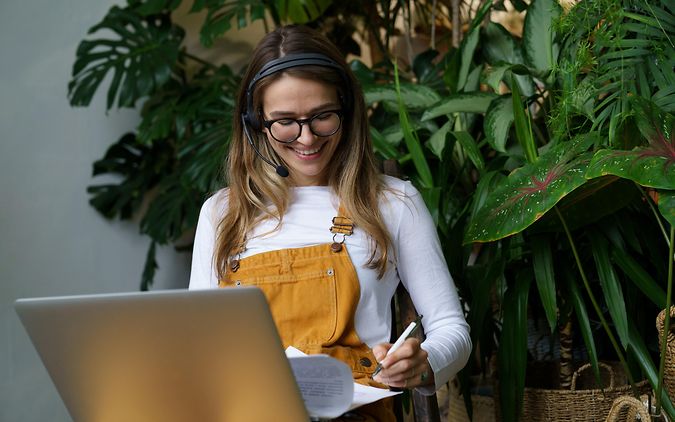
(138, 166)
(531, 191)
(140, 58)
(652, 165)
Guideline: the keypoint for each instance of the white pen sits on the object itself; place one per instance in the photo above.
(399, 341)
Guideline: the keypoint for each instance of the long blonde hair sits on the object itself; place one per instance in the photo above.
(352, 172)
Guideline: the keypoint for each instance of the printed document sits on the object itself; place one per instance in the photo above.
(327, 386)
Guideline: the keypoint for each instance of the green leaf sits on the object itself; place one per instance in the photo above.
(538, 38)
(584, 326)
(153, 7)
(521, 118)
(473, 79)
(486, 184)
(512, 355)
(150, 267)
(482, 277)
(134, 163)
(221, 13)
(412, 141)
(475, 102)
(497, 123)
(611, 287)
(494, 76)
(439, 139)
(499, 46)
(301, 11)
(590, 202)
(470, 148)
(467, 49)
(665, 99)
(650, 165)
(414, 97)
(667, 206)
(531, 191)
(542, 263)
(645, 166)
(381, 145)
(639, 277)
(140, 59)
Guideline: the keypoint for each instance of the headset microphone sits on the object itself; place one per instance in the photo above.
(281, 170)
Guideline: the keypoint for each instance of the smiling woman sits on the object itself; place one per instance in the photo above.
(308, 219)
(305, 145)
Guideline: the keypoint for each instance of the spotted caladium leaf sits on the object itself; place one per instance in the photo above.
(652, 165)
(531, 191)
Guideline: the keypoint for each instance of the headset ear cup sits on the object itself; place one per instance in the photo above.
(252, 122)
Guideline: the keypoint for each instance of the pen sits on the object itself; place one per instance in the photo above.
(399, 341)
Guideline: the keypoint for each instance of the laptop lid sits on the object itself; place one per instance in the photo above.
(165, 356)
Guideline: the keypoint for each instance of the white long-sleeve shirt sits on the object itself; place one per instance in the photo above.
(416, 260)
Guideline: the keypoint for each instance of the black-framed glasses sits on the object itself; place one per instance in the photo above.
(287, 130)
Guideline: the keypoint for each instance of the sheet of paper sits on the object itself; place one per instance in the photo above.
(325, 383)
(362, 394)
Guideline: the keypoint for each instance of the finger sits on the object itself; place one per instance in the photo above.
(380, 351)
(415, 377)
(405, 369)
(408, 349)
(407, 359)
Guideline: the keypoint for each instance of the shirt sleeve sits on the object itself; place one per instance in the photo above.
(202, 273)
(424, 273)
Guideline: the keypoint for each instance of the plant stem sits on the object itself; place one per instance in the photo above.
(666, 322)
(587, 285)
(655, 212)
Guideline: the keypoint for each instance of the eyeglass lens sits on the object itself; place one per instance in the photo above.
(323, 124)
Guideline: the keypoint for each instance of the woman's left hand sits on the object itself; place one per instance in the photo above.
(406, 367)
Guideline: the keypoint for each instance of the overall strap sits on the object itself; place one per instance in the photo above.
(342, 226)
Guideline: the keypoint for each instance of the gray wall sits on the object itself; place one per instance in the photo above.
(52, 241)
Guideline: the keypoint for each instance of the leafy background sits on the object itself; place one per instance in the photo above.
(545, 157)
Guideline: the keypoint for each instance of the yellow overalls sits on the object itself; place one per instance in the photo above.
(313, 293)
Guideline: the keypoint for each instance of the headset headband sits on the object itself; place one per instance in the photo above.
(282, 63)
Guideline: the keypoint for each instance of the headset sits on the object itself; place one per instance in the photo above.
(250, 118)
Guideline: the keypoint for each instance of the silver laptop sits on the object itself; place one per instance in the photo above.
(166, 356)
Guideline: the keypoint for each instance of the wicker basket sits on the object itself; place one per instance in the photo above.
(483, 406)
(584, 401)
(669, 373)
(628, 409)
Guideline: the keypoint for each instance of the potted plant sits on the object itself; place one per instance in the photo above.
(589, 98)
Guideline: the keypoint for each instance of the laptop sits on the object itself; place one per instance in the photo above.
(165, 356)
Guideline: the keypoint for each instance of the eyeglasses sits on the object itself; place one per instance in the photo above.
(287, 130)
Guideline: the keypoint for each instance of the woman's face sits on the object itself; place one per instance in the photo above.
(307, 157)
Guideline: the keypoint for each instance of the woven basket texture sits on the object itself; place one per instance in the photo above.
(628, 409)
(585, 401)
(669, 373)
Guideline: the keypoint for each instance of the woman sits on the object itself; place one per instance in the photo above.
(301, 163)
